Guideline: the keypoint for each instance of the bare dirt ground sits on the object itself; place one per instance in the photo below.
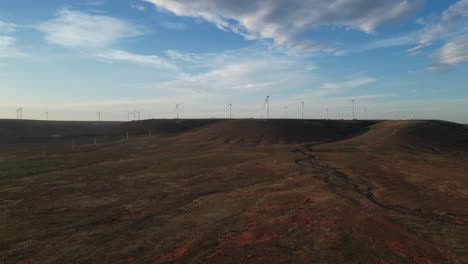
(360, 193)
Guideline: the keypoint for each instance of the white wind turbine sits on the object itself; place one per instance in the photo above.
(230, 110)
(267, 104)
(177, 111)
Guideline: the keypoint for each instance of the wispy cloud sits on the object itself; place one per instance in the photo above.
(8, 47)
(138, 7)
(308, 47)
(123, 56)
(333, 87)
(174, 25)
(402, 40)
(71, 28)
(452, 53)
(452, 22)
(240, 76)
(283, 21)
(6, 27)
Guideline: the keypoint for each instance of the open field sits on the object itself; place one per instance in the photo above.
(240, 191)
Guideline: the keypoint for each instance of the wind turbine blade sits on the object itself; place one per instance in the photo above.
(266, 101)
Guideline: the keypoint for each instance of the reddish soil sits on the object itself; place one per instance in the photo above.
(243, 191)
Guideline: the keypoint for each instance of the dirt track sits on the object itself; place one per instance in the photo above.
(341, 184)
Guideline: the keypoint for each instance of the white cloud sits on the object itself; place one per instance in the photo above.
(7, 27)
(245, 75)
(402, 40)
(7, 47)
(453, 21)
(283, 21)
(174, 25)
(123, 56)
(451, 28)
(78, 29)
(307, 47)
(450, 54)
(139, 7)
(332, 87)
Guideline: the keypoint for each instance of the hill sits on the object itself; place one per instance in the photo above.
(165, 127)
(429, 135)
(28, 131)
(236, 191)
(276, 131)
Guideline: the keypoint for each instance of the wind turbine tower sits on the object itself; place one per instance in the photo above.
(99, 116)
(354, 102)
(267, 104)
(177, 111)
(286, 112)
(302, 110)
(19, 113)
(47, 116)
(230, 111)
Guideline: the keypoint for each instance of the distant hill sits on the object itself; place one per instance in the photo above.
(415, 134)
(164, 126)
(28, 131)
(277, 131)
(382, 134)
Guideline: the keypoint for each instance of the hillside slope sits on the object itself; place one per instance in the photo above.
(28, 131)
(276, 131)
(433, 135)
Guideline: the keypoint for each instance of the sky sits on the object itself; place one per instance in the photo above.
(398, 59)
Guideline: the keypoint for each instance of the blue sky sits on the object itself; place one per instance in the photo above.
(398, 59)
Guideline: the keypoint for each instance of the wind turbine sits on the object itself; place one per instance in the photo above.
(327, 114)
(267, 104)
(302, 109)
(230, 111)
(99, 116)
(133, 114)
(139, 115)
(354, 102)
(19, 113)
(177, 111)
(286, 112)
(47, 116)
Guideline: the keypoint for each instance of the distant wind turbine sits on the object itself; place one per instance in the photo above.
(302, 109)
(230, 110)
(177, 111)
(286, 112)
(131, 114)
(19, 113)
(267, 104)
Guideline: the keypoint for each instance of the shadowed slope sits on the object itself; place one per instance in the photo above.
(27, 131)
(276, 131)
(433, 135)
(165, 127)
